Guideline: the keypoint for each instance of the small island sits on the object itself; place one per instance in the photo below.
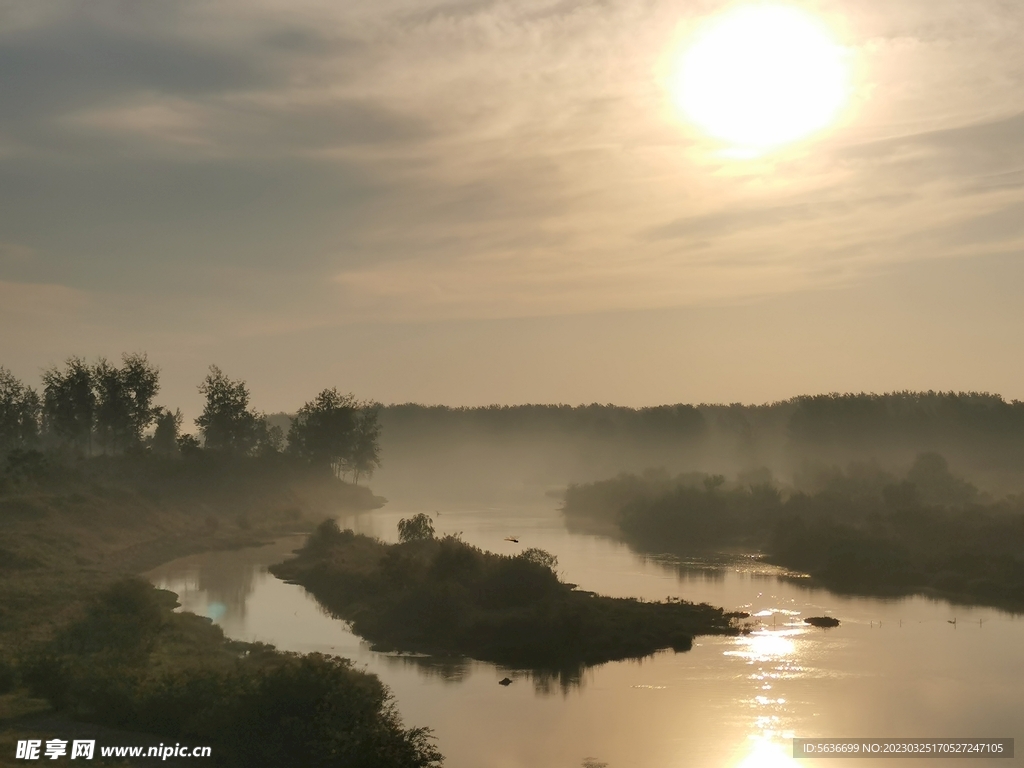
(444, 597)
(822, 621)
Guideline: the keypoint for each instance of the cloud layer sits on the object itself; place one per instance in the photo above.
(248, 168)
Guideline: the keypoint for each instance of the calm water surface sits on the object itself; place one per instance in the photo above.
(893, 668)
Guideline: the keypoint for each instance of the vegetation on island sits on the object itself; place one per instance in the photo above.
(97, 484)
(445, 597)
(864, 530)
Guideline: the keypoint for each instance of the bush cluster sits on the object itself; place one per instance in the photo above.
(132, 663)
(445, 597)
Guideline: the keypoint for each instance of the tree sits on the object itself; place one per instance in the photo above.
(188, 445)
(226, 423)
(323, 431)
(417, 528)
(19, 414)
(366, 442)
(124, 401)
(540, 557)
(165, 438)
(269, 437)
(141, 380)
(936, 484)
(113, 420)
(69, 404)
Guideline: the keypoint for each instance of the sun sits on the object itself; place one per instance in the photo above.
(761, 76)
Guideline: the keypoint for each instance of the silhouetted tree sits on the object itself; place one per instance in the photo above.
(165, 437)
(141, 380)
(540, 557)
(366, 443)
(113, 420)
(189, 445)
(416, 528)
(226, 423)
(324, 430)
(19, 414)
(269, 437)
(69, 404)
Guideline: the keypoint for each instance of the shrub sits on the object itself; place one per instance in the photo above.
(416, 528)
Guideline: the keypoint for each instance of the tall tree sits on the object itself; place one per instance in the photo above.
(113, 419)
(69, 404)
(141, 380)
(165, 437)
(366, 442)
(19, 414)
(226, 423)
(269, 437)
(124, 401)
(324, 429)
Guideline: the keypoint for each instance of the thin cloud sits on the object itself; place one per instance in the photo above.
(488, 154)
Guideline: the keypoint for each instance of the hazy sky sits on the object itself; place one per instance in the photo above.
(476, 201)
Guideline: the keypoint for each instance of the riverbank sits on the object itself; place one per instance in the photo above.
(866, 533)
(77, 529)
(444, 597)
(81, 641)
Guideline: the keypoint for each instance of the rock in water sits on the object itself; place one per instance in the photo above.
(822, 621)
(505, 681)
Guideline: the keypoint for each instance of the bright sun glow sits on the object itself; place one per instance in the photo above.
(760, 76)
(766, 753)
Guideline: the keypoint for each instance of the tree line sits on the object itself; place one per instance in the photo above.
(978, 431)
(103, 408)
(863, 530)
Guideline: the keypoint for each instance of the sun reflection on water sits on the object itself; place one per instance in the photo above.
(765, 645)
(774, 654)
(768, 751)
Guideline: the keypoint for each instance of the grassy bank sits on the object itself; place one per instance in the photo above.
(80, 643)
(68, 530)
(445, 597)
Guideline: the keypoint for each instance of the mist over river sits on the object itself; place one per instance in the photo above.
(893, 668)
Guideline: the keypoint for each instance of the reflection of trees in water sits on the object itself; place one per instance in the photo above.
(548, 682)
(713, 567)
(447, 670)
(228, 578)
(223, 579)
(703, 568)
(458, 669)
(702, 574)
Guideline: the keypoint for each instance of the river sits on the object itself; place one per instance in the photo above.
(893, 668)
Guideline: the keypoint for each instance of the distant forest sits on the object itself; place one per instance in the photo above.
(900, 421)
(102, 408)
(981, 435)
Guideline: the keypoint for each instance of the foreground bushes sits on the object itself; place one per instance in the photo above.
(132, 663)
